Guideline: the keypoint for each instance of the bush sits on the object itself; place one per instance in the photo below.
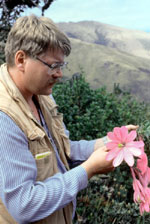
(106, 201)
(90, 114)
(2, 55)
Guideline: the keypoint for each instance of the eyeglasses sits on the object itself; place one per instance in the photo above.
(54, 66)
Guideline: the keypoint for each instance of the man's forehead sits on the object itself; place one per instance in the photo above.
(53, 54)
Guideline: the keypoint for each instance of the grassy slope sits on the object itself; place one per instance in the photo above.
(105, 66)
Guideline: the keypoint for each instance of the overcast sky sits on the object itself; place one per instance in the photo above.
(131, 14)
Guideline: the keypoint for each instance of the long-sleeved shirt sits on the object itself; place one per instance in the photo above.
(26, 199)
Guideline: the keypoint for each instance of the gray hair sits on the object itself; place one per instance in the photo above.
(34, 35)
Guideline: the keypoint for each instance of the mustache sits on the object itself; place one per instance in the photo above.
(55, 80)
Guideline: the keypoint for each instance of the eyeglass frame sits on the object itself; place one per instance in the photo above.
(54, 66)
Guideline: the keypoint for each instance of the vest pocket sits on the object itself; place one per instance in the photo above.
(45, 167)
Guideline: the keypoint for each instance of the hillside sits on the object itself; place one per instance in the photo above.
(131, 41)
(105, 65)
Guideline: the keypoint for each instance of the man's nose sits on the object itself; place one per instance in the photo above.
(58, 73)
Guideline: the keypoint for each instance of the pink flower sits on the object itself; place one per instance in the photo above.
(141, 180)
(138, 189)
(145, 206)
(144, 177)
(123, 147)
(142, 162)
(141, 193)
(142, 166)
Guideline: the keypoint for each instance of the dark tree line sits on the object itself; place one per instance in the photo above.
(10, 10)
(14, 7)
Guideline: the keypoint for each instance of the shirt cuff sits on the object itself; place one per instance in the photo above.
(91, 148)
(81, 176)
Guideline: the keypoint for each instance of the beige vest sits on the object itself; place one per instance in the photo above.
(13, 104)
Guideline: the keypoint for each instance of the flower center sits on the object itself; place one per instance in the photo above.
(120, 145)
(138, 199)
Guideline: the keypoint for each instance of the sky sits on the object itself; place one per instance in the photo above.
(130, 14)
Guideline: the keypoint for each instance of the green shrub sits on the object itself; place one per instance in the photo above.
(90, 114)
(106, 201)
(2, 56)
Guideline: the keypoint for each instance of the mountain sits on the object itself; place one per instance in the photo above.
(108, 54)
(131, 41)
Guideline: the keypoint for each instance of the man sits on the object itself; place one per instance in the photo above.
(36, 184)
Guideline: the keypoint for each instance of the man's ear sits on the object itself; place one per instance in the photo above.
(20, 59)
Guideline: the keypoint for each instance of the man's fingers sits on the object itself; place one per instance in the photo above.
(132, 127)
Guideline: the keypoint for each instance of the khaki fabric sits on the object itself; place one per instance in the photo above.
(5, 219)
(13, 104)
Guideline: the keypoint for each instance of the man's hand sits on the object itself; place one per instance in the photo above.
(131, 127)
(99, 143)
(97, 164)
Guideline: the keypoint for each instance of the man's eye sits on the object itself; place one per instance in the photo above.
(53, 66)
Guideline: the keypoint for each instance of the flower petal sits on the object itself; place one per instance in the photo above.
(117, 134)
(146, 207)
(124, 133)
(141, 209)
(111, 136)
(118, 160)
(128, 157)
(142, 163)
(135, 144)
(148, 174)
(131, 136)
(111, 145)
(135, 151)
(120, 133)
(112, 154)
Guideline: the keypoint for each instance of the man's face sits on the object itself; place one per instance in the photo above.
(39, 78)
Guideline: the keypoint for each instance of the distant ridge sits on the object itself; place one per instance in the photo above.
(131, 41)
(108, 55)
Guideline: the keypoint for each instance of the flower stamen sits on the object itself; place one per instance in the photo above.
(120, 145)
